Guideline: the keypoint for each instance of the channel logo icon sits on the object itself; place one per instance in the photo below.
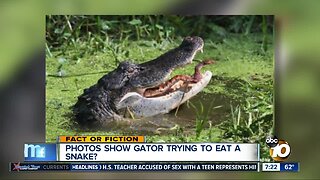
(40, 152)
(279, 149)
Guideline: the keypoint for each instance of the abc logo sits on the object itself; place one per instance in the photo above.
(279, 149)
(272, 141)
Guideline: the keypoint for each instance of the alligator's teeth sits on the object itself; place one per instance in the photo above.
(201, 50)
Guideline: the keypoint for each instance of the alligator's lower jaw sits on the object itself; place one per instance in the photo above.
(140, 106)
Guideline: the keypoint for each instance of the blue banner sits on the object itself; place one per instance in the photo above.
(292, 167)
(40, 152)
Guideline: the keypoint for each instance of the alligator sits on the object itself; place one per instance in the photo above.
(143, 90)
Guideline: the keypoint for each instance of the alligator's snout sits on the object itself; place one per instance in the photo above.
(195, 43)
(158, 70)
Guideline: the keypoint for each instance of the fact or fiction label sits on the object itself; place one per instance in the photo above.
(101, 139)
(115, 152)
(271, 167)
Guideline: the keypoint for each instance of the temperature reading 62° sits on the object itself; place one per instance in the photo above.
(288, 166)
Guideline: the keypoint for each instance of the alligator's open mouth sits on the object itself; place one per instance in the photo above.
(168, 95)
(178, 82)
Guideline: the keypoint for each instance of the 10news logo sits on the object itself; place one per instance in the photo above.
(279, 149)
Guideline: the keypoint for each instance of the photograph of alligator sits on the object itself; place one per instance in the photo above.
(142, 88)
(146, 75)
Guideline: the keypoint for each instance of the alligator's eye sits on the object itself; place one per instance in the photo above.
(130, 70)
(142, 68)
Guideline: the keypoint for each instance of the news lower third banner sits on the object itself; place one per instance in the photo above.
(133, 166)
(111, 152)
(101, 139)
(133, 152)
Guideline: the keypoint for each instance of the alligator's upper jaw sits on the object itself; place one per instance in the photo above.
(140, 106)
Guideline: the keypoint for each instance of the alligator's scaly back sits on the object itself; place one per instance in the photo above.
(93, 105)
(97, 102)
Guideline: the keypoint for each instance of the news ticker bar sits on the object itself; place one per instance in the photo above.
(281, 167)
(190, 166)
(114, 167)
(156, 166)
